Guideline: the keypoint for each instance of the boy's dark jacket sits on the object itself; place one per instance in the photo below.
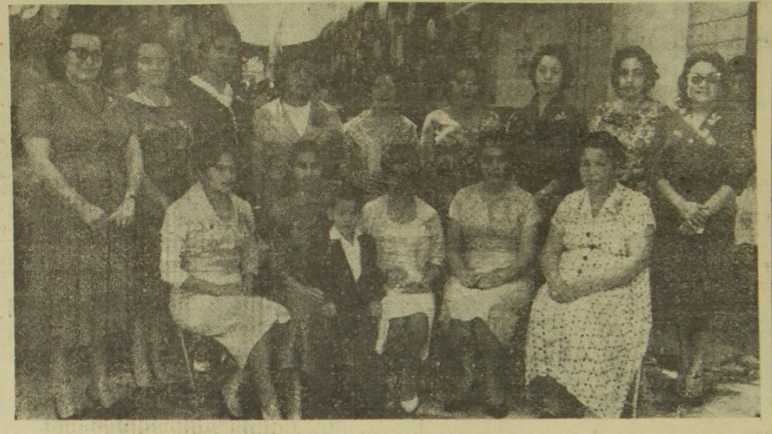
(352, 298)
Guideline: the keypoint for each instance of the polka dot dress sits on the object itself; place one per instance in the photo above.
(594, 345)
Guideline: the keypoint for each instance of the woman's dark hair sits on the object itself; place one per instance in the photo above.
(348, 192)
(608, 144)
(206, 154)
(497, 140)
(216, 30)
(634, 52)
(714, 59)
(559, 52)
(296, 65)
(64, 42)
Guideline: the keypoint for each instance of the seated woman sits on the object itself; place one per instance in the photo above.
(300, 231)
(589, 325)
(491, 249)
(209, 257)
(410, 250)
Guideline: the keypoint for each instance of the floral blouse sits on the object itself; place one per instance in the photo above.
(636, 131)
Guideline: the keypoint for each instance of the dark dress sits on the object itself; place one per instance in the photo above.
(80, 276)
(165, 138)
(298, 244)
(546, 147)
(692, 273)
(215, 124)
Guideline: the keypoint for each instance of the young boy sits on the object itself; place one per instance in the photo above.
(352, 286)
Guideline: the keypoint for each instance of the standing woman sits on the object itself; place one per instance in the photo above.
(450, 139)
(491, 249)
(372, 132)
(705, 157)
(81, 252)
(589, 325)
(632, 116)
(410, 251)
(160, 125)
(546, 133)
(298, 115)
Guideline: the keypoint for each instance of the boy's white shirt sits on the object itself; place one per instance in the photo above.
(351, 249)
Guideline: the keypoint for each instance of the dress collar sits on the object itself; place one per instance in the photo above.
(335, 235)
(138, 97)
(225, 98)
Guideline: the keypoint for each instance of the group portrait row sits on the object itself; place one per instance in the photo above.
(352, 268)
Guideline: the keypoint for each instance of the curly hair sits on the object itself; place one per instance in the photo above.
(559, 52)
(713, 58)
(607, 143)
(634, 52)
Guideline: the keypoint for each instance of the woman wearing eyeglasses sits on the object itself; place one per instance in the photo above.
(702, 160)
(80, 250)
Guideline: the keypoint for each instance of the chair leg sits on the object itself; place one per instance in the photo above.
(188, 362)
(636, 393)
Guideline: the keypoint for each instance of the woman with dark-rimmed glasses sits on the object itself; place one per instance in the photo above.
(80, 254)
(702, 160)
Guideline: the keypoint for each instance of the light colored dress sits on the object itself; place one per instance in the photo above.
(370, 137)
(594, 345)
(404, 252)
(636, 131)
(491, 229)
(196, 242)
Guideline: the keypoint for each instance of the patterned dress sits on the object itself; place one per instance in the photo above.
(636, 131)
(81, 276)
(491, 230)
(195, 241)
(594, 345)
(405, 251)
(450, 153)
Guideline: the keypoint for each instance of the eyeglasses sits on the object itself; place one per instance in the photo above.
(83, 54)
(711, 79)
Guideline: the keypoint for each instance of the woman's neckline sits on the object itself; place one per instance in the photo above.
(391, 220)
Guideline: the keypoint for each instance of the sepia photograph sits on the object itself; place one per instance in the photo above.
(382, 211)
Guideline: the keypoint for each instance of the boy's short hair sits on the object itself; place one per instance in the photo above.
(347, 192)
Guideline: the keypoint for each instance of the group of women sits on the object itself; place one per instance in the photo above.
(473, 226)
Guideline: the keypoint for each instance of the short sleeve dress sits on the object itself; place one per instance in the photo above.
(636, 131)
(594, 346)
(405, 251)
(81, 276)
(491, 230)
